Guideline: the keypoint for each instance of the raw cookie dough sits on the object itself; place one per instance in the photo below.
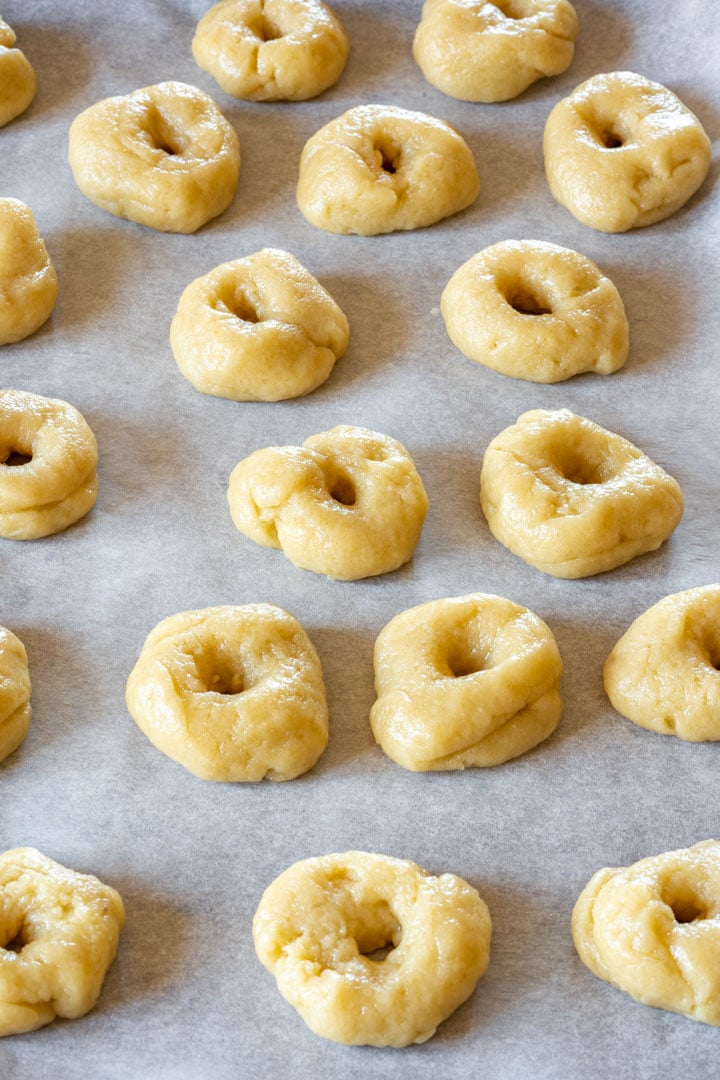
(14, 693)
(17, 78)
(377, 169)
(163, 156)
(480, 51)
(28, 282)
(348, 503)
(465, 681)
(59, 932)
(664, 672)
(258, 329)
(48, 459)
(271, 50)
(653, 930)
(573, 499)
(322, 928)
(536, 311)
(622, 152)
(232, 693)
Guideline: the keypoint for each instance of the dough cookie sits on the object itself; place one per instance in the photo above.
(536, 311)
(465, 681)
(480, 51)
(321, 929)
(48, 458)
(653, 930)
(622, 152)
(15, 707)
(573, 499)
(163, 156)
(258, 329)
(664, 672)
(28, 282)
(378, 169)
(59, 932)
(271, 50)
(17, 78)
(232, 693)
(348, 503)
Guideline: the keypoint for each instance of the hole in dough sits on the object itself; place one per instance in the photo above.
(579, 469)
(16, 457)
(686, 906)
(511, 9)
(611, 140)
(343, 491)
(388, 156)
(17, 942)
(380, 934)
(244, 309)
(162, 135)
(527, 302)
(219, 671)
(463, 660)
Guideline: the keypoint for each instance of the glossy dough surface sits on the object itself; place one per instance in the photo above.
(622, 152)
(163, 156)
(258, 329)
(28, 282)
(573, 499)
(48, 458)
(664, 672)
(378, 169)
(14, 693)
(465, 681)
(536, 311)
(348, 503)
(480, 51)
(653, 930)
(271, 50)
(17, 78)
(319, 923)
(59, 932)
(232, 693)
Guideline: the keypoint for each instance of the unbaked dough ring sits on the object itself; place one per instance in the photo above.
(28, 282)
(15, 707)
(232, 693)
(59, 934)
(48, 458)
(622, 152)
(536, 311)
(653, 930)
(464, 681)
(480, 51)
(163, 156)
(319, 924)
(258, 329)
(271, 50)
(17, 78)
(348, 503)
(573, 499)
(664, 672)
(378, 169)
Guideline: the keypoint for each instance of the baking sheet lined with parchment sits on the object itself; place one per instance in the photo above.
(186, 998)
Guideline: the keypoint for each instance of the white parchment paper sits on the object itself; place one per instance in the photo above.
(186, 998)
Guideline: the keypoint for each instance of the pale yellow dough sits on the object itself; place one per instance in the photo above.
(232, 693)
(664, 672)
(48, 459)
(536, 311)
(59, 933)
(271, 50)
(476, 50)
(348, 503)
(573, 499)
(163, 156)
(258, 329)
(465, 681)
(653, 930)
(14, 693)
(17, 78)
(319, 924)
(28, 282)
(622, 152)
(378, 169)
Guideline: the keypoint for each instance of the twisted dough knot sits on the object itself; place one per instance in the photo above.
(17, 78)
(653, 930)
(28, 282)
(15, 707)
(322, 927)
(349, 503)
